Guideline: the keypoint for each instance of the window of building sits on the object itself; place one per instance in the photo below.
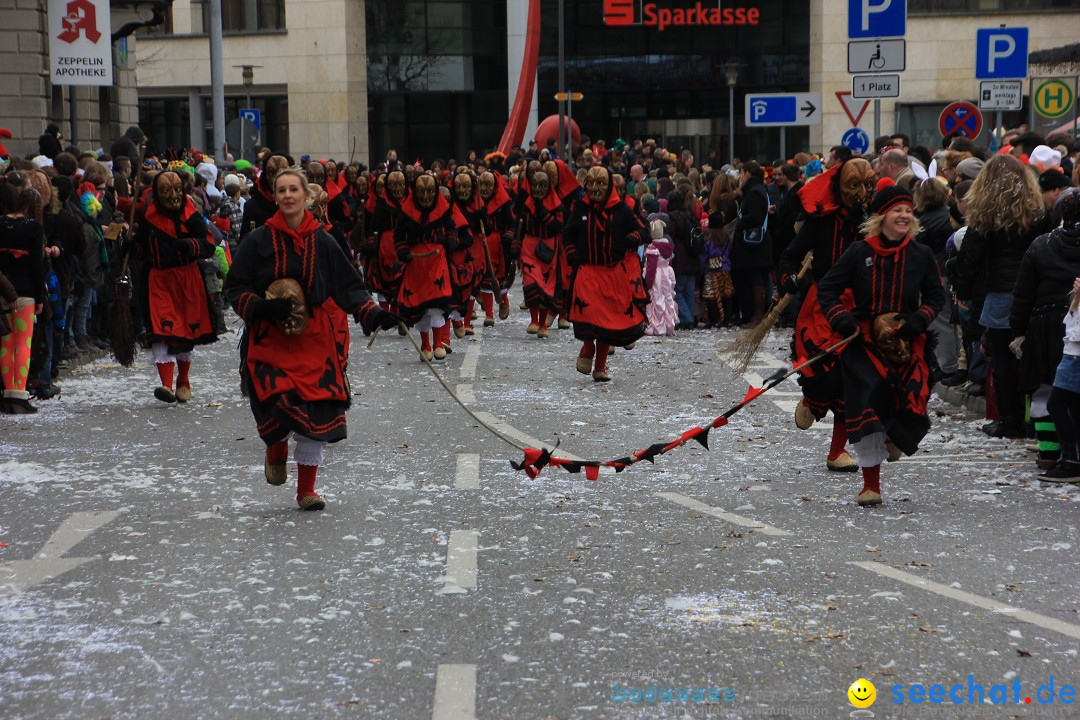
(238, 16)
(932, 7)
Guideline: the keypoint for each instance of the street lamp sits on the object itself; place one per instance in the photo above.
(731, 75)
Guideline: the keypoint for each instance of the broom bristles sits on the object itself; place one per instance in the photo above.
(745, 347)
(121, 333)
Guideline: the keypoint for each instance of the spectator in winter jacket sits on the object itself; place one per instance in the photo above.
(1005, 213)
(50, 143)
(681, 228)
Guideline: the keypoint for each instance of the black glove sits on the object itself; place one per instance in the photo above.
(846, 325)
(914, 324)
(631, 242)
(790, 285)
(378, 318)
(449, 242)
(275, 310)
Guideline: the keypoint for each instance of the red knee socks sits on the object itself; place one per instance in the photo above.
(425, 341)
(839, 438)
(165, 372)
(871, 477)
(305, 482)
(601, 357)
(469, 311)
(182, 368)
(487, 303)
(443, 336)
(278, 453)
(588, 349)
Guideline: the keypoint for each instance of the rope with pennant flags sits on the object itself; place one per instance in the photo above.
(537, 459)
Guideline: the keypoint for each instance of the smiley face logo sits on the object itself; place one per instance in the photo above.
(862, 693)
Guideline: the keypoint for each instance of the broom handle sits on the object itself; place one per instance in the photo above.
(131, 211)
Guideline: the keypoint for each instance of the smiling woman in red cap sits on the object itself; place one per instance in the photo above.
(897, 291)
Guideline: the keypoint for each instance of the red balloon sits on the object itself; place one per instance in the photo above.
(549, 128)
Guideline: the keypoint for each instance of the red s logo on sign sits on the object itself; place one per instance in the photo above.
(81, 17)
(618, 12)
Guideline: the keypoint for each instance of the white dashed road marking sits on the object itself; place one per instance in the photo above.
(721, 514)
(468, 472)
(460, 562)
(455, 693)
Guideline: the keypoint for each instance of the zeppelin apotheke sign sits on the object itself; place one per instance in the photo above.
(80, 42)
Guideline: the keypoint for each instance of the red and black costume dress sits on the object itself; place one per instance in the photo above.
(500, 235)
(828, 230)
(474, 211)
(542, 224)
(179, 305)
(608, 296)
(337, 203)
(884, 277)
(382, 271)
(422, 239)
(297, 383)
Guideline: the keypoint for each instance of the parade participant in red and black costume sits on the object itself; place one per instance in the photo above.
(428, 229)
(171, 238)
(538, 246)
(337, 199)
(290, 283)
(897, 293)
(608, 296)
(500, 235)
(468, 262)
(260, 207)
(361, 204)
(383, 271)
(835, 207)
(565, 186)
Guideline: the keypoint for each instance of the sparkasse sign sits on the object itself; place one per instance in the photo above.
(661, 15)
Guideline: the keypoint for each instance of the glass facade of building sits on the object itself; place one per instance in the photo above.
(436, 76)
(639, 81)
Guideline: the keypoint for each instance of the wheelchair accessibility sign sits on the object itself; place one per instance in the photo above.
(876, 56)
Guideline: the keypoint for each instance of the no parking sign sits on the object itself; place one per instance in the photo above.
(961, 117)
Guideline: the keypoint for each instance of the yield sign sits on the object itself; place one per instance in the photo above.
(849, 104)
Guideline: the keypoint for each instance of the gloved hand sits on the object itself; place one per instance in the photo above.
(790, 285)
(379, 318)
(1017, 347)
(914, 324)
(449, 242)
(656, 229)
(846, 325)
(275, 310)
(631, 242)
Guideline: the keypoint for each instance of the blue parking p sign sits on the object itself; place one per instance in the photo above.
(253, 116)
(1001, 53)
(877, 18)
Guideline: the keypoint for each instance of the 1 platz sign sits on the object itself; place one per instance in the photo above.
(875, 86)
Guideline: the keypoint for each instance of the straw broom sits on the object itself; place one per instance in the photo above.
(746, 345)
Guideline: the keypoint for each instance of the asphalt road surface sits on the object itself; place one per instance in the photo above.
(148, 571)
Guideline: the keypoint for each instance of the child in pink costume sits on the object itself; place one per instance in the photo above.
(662, 312)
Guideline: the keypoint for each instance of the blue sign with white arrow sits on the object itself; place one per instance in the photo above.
(783, 109)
